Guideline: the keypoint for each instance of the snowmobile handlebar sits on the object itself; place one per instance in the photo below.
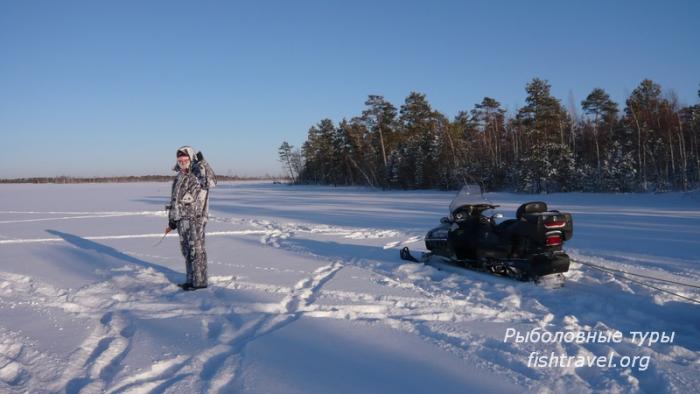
(471, 210)
(475, 209)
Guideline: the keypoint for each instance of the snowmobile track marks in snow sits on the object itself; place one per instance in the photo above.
(220, 366)
(96, 362)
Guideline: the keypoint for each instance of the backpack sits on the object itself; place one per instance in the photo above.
(204, 172)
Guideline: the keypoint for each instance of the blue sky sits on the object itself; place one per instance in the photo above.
(99, 88)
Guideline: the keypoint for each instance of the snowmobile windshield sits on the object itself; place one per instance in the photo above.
(470, 194)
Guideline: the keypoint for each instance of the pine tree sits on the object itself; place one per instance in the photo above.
(418, 129)
(640, 105)
(603, 110)
(489, 118)
(318, 151)
(379, 120)
(286, 156)
(543, 122)
(618, 169)
(543, 116)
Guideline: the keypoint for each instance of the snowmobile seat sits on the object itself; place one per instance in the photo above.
(506, 227)
(530, 208)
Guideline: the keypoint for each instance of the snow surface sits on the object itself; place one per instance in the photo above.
(308, 294)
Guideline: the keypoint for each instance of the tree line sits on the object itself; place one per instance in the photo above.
(63, 179)
(652, 144)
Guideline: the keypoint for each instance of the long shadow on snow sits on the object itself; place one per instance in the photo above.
(222, 295)
(86, 244)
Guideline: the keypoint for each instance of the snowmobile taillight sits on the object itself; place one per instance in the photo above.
(555, 224)
(553, 239)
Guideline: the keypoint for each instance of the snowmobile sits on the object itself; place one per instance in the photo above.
(528, 247)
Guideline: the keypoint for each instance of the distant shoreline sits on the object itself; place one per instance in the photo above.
(124, 179)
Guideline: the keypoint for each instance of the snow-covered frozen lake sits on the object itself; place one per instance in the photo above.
(308, 295)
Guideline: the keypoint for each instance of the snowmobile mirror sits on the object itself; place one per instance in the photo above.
(445, 220)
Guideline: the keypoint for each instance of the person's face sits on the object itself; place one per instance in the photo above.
(183, 162)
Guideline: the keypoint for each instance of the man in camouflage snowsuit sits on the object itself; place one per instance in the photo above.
(189, 211)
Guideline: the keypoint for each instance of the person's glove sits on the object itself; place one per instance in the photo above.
(172, 224)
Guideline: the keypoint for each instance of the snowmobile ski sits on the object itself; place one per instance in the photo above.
(513, 269)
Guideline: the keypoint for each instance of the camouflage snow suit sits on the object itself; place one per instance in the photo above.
(188, 213)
